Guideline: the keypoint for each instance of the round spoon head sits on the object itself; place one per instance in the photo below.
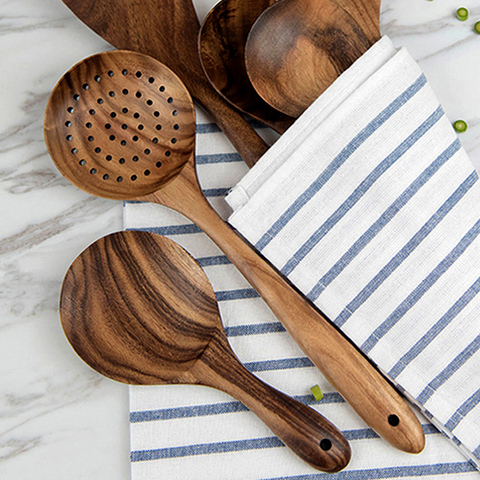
(120, 125)
(222, 40)
(297, 48)
(138, 308)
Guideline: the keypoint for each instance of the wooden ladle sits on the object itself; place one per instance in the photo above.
(297, 48)
(222, 39)
(121, 125)
(139, 309)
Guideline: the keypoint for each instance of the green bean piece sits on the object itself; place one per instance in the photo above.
(460, 126)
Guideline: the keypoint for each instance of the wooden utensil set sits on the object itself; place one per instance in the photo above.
(121, 125)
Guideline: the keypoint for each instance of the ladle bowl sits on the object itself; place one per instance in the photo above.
(120, 125)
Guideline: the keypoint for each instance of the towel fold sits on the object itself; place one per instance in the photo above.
(371, 207)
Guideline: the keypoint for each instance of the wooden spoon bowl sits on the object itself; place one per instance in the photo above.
(139, 309)
(297, 48)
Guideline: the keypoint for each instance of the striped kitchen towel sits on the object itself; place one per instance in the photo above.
(371, 207)
(193, 432)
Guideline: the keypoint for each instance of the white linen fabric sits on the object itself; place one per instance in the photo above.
(194, 432)
(371, 207)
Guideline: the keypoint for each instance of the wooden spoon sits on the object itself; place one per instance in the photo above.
(139, 309)
(168, 31)
(222, 40)
(297, 48)
(121, 125)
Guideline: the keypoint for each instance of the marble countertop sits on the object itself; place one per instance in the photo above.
(58, 418)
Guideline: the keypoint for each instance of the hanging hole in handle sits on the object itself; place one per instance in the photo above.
(393, 420)
(326, 444)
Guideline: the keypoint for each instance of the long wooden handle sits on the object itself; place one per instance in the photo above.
(362, 386)
(307, 433)
(241, 134)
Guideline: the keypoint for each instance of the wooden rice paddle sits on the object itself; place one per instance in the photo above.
(222, 40)
(139, 309)
(297, 48)
(168, 30)
(121, 125)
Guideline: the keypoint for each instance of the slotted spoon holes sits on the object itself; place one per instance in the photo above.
(121, 146)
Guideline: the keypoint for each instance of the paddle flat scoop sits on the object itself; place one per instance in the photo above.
(139, 309)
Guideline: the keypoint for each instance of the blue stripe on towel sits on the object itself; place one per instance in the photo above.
(383, 220)
(217, 158)
(203, 128)
(397, 260)
(450, 370)
(221, 408)
(238, 294)
(208, 192)
(216, 192)
(187, 229)
(416, 295)
(239, 446)
(361, 190)
(281, 364)
(463, 411)
(255, 329)
(176, 413)
(339, 160)
(410, 471)
(476, 452)
(435, 330)
(206, 449)
(213, 260)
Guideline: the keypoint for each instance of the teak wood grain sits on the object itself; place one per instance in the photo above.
(168, 31)
(95, 150)
(297, 48)
(222, 40)
(139, 309)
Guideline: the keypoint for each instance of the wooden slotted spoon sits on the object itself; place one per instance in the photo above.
(121, 125)
(168, 30)
(139, 309)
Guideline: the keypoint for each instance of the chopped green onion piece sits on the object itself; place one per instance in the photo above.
(460, 126)
(476, 27)
(462, 13)
(317, 393)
